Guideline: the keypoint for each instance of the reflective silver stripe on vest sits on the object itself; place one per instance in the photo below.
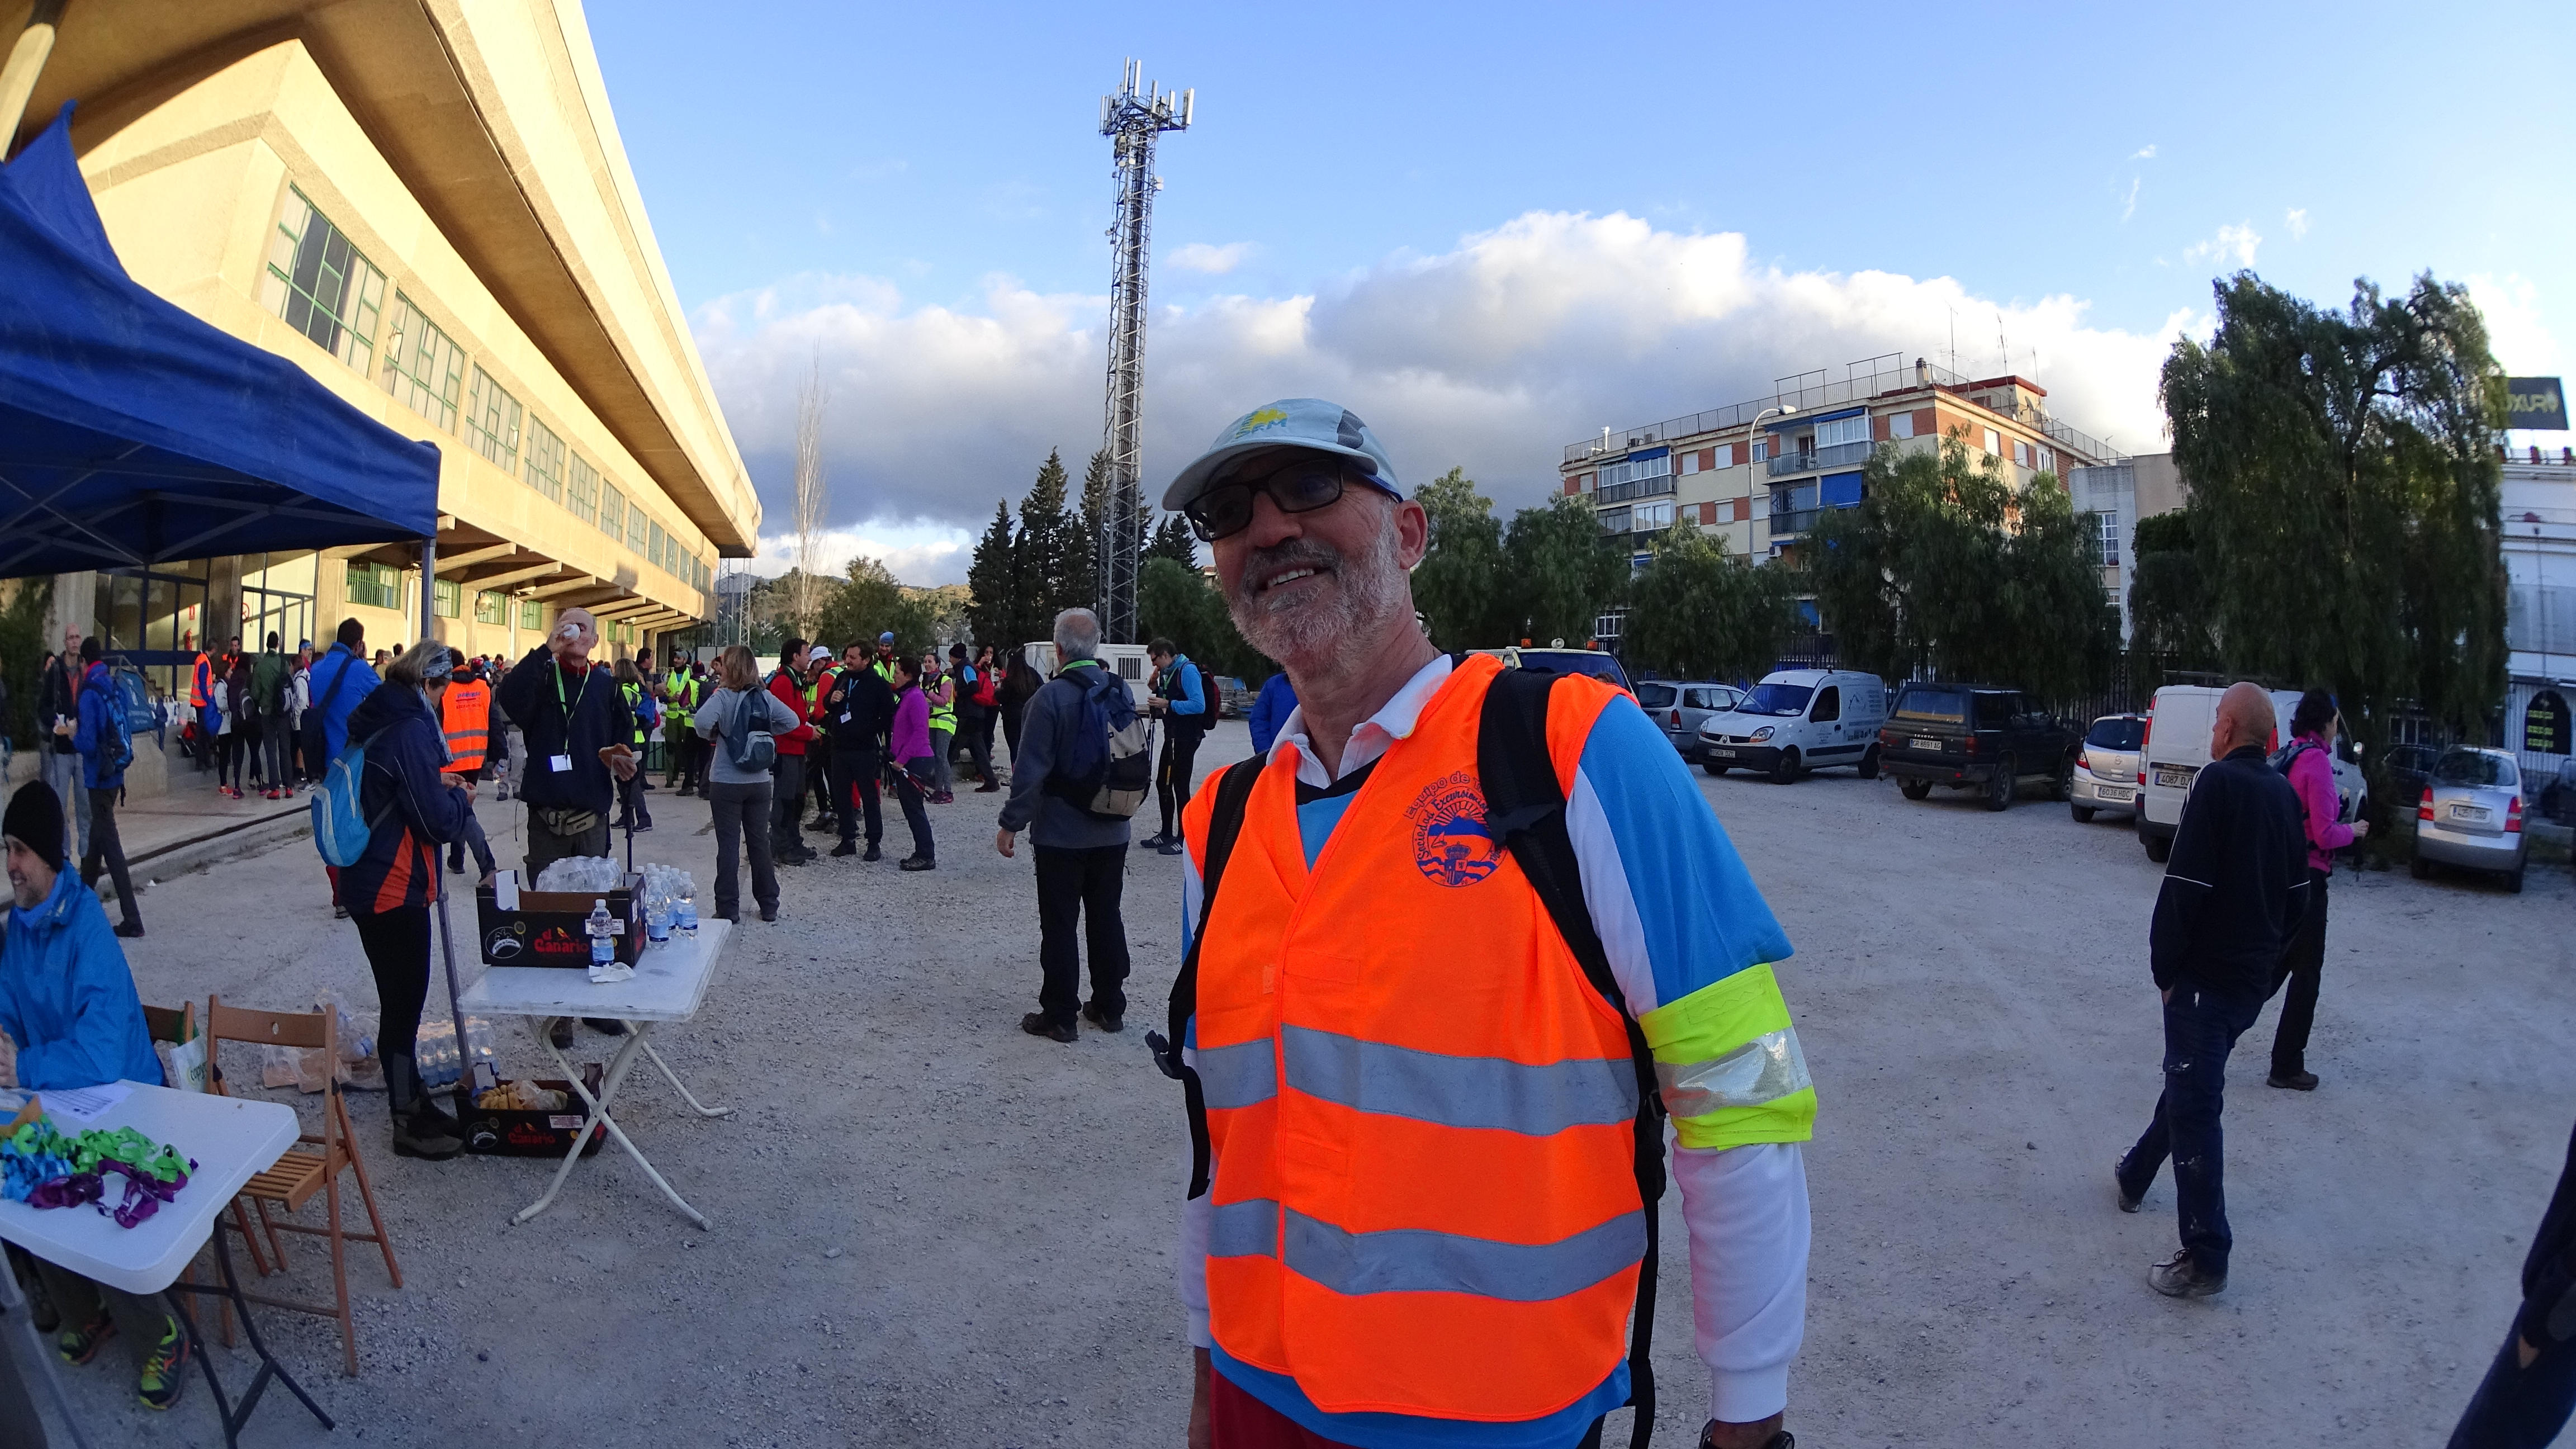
(1764, 1069)
(1244, 1229)
(1459, 1091)
(1415, 1260)
(1238, 1075)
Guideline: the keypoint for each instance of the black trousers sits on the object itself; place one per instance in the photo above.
(397, 946)
(1085, 884)
(1172, 776)
(907, 793)
(787, 801)
(820, 776)
(2303, 963)
(855, 793)
(104, 845)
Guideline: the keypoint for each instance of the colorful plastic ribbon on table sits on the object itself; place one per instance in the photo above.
(43, 1168)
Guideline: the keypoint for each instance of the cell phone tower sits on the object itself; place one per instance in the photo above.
(1132, 120)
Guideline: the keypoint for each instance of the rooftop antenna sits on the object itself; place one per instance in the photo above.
(1132, 119)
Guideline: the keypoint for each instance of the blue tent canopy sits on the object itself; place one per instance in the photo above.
(132, 433)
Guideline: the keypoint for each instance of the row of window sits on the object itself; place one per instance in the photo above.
(326, 289)
(379, 586)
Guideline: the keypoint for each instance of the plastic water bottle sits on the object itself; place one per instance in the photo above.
(602, 950)
(657, 917)
(688, 921)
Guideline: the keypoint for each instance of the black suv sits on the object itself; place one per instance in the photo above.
(1974, 736)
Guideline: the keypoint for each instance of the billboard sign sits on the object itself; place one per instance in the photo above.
(2538, 403)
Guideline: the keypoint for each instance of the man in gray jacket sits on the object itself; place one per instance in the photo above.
(1081, 857)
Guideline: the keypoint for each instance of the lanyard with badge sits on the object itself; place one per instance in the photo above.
(562, 763)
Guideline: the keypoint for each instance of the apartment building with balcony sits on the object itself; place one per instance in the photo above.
(428, 208)
(1761, 473)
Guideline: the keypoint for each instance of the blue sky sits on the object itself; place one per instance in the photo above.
(1497, 229)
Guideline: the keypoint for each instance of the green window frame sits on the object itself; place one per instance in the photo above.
(375, 585)
(447, 596)
(545, 460)
(424, 368)
(581, 490)
(322, 285)
(492, 422)
(491, 606)
(532, 614)
(612, 510)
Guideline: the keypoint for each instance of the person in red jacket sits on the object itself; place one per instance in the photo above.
(786, 843)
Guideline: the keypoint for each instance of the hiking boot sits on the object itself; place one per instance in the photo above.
(1114, 1021)
(420, 1129)
(872, 853)
(917, 862)
(164, 1373)
(1036, 1024)
(2179, 1277)
(78, 1345)
(769, 913)
(2294, 1081)
(132, 929)
(845, 848)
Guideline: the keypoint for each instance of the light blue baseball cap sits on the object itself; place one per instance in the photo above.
(1293, 422)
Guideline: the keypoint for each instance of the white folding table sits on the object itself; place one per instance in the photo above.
(231, 1140)
(669, 984)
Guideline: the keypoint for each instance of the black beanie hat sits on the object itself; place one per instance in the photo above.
(35, 819)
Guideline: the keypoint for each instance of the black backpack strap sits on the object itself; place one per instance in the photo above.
(1525, 811)
(1233, 790)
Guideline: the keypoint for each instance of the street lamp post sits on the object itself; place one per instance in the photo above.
(1782, 411)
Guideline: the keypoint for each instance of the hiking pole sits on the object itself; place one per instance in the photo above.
(456, 1013)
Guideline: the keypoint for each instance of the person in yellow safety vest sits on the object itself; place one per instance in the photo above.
(940, 688)
(631, 806)
(680, 702)
(884, 665)
(1425, 1212)
(820, 670)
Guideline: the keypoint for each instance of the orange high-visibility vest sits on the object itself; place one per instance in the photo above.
(200, 683)
(468, 707)
(1420, 1110)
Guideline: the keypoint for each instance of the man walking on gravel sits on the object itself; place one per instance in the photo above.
(1081, 857)
(2235, 887)
(1434, 1048)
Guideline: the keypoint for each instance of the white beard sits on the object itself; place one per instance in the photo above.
(1305, 636)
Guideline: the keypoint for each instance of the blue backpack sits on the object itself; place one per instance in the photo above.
(341, 828)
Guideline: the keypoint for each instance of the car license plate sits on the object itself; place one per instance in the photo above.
(1715, 752)
(2113, 792)
(1925, 742)
(2173, 779)
(2468, 812)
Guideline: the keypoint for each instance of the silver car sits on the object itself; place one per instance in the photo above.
(1679, 708)
(2106, 767)
(2471, 816)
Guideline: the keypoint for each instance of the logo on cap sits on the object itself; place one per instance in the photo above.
(1259, 419)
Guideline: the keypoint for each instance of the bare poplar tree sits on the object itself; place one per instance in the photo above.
(811, 496)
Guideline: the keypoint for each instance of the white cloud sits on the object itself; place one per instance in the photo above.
(915, 553)
(2129, 208)
(2515, 334)
(1214, 260)
(2298, 222)
(2232, 241)
(1492, 355)
(2143, 153)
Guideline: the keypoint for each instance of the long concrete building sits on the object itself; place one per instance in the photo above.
(425, 204)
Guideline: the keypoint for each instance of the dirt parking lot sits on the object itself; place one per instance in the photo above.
(930, 1229)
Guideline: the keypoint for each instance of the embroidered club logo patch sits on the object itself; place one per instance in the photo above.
(1450, 842)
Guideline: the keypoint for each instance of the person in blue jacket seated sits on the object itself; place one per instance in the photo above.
(69, 1018)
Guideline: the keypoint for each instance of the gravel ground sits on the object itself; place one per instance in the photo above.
(932, 1229)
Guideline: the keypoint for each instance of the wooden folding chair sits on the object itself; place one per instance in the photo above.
(173, 1024)
(299, 1176)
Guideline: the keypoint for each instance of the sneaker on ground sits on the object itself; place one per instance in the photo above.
(2293, 1081)
(1114, 1021)
(164, 1373)
(1036, 1024)
(2179, 1277)
(78, 1345)
(845, 848)
(917, 862)
(872, 853)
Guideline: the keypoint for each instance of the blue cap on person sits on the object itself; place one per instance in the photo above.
(886, 638)
(1291, 422)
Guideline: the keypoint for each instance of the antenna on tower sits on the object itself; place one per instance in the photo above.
(1132, 119)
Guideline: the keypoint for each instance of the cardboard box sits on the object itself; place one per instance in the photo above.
(508, 1132)
(551, 928)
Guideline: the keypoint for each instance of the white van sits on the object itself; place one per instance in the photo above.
(2177, 747)
(1798, 720)
(1127, 660)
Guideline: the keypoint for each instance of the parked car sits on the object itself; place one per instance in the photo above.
(1798, 720)
(2106, 766)
(1680, 707)
(1597, 663)
(2470, 816)
(2407, 768)
(1232, 697)
(1975, 737)
(2177, 746)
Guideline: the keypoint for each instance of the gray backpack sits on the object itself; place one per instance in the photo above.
(750, 746)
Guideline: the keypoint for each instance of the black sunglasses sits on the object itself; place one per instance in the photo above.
(1301, 486)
